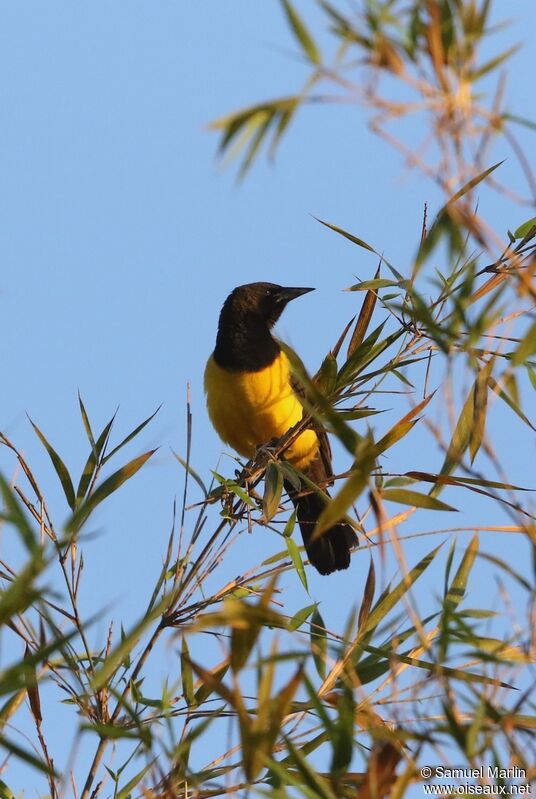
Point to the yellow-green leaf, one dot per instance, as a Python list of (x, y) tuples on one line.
[(407, 497), (273, 487), (303, 36), (59, 466)]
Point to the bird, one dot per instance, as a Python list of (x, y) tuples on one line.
[(252, 400)]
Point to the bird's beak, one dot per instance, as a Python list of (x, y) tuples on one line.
[(288, 294)]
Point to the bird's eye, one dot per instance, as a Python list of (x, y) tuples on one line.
[(268, 291)]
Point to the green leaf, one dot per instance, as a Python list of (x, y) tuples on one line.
[(349, 236), (5, 792), (25, 756), (371, 285), (459, 441), (206, 689), (364, 318), (456, 591), (525, 228), (114, 732), (300, 617), (318, 787), (480, 403), (273, 487), (359, 357), (59, 466), (85, 420), (407, 497), (187, 674), (245, 634), (489, 66), (295, 557), (319, 642), (526, 347), (368, 597), (510, 402), (402, 427), (336, 509), (16, 516), (326, 377), (392, 598), (445, 221), (302, 34), (106, 488), (191, 471), (126, 791), (527, 123), (467, 187), (131, 435), (438, 670), (342, 737), (97, 449)]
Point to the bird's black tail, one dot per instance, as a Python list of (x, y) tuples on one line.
[(331, 551)]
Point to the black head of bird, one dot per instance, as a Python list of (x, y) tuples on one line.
[(244, 339), (267, 301)]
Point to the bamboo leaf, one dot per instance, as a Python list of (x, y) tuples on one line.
[(480, 403), (342, 737), (373, 285), (186, 674), (85, 420), (402, 427), (460, 439), (191, 471), (106, 488), (525, 228), (326, 377), (463, 481), (273, 487), (300, 617), (368, 597), (319, 642), (205, 690), (407, 497), (97, 449), (336, 509), (392, 598), (245, 634), (471, 184), (14, 514), (301, 33), (456, 591), (492, 64), (32, 687), (349, 236), (25, 756), (438, 670), (526, 347), (363, 320), (510, 402), (137, 430), (318, 786), (59, 466), (336, 349), (126, 791), (294, 553)]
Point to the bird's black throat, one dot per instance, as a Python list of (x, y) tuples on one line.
[(244, 343)]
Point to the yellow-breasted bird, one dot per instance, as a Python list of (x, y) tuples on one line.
[(251, 401)]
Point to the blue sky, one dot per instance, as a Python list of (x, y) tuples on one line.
[(121, 235)]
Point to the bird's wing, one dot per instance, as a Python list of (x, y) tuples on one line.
[(321, 467)]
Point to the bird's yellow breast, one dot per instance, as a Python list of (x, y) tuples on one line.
[(248, 409)]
